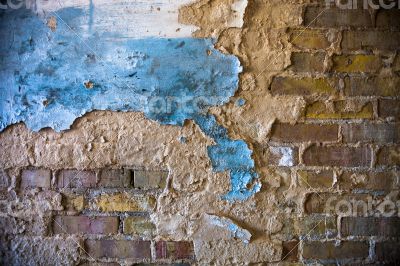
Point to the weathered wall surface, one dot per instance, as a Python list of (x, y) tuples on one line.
[(318, 104)]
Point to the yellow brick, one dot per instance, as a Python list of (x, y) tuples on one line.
[(309, 39), (357, 63), (318, 110), (137, 225), (123, 202), (73, 202)]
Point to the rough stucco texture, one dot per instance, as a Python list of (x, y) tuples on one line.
[(314, 119)]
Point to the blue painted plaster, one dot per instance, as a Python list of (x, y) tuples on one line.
[(48, 79)]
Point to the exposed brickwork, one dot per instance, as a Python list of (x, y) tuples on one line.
[(138, 225), (339, 110), (370, 40), (329, 250), (115, 178), (315, 179), (36, 178), (304, 133), (174, 250), (389, 109), (303, 86), (305, 62), (76, 179), (150, 179), (85, 225), (118, 249), (367, 180), (290, 251), (373, 133), (389, 156), (123, 202), (332, 18), (373, 86), (387, 251), (370, 226), (310, 38), (337, 156)]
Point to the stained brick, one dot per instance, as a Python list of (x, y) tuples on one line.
[(389, 108), (389, 156), (76, 179), (138, 225), (122, 249), (336, 204), (303, 86), (382, 181), (4, 179), (329, 250), (378, 133), (370, 226), (123, 202), (310, 38), (304, 133), (388, 18), (115, 178), (73, 202), (290, 251), (306, 62), (36, 178), (316, 227), (387, 251), (337, 156), (281, 156), (370, 40), (357, 63), (150, 179), (334, 17), (315, 179), (85, 225), (174, 250), (376, 86), (339, 110)]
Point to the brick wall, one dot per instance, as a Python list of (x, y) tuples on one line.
[(330, 177), (106, 211)]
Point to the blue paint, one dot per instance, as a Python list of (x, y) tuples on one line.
[(49, 79), (240, 102)]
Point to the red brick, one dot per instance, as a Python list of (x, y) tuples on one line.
[(337, 156), (389, 156), (370, 226), (388, 19), (76, 179), (388, 252), (290, 251), (334, 17), (382, 181), (36, 178), (367, 132), (150, 179), (85, 225), (373, 86), (334, 203), (115, 178), (370, 41), (389, 108), (315, 179), (329, 250), (122, 249), (307, 62), (174, 250), (304, 133), (281, 156), (4, 179)]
